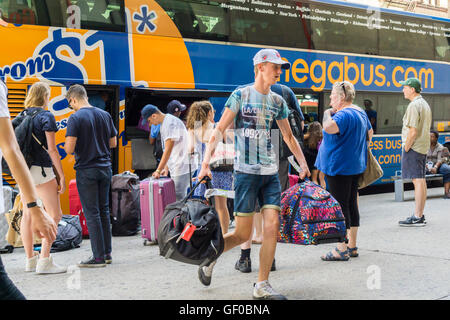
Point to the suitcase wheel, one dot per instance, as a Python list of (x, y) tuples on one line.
[(150, 243)]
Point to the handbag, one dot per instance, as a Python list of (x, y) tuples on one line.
[(223, 157), (14, 217), (372, 173)]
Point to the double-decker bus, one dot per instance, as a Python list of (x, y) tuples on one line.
[(128, 53)]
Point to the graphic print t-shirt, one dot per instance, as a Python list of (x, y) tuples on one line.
[(255, 112)]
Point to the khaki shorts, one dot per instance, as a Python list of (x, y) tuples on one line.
[(38, 178)]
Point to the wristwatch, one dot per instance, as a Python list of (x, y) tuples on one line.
[(37, 203)]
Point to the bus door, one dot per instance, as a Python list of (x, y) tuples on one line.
[(107, 98), (311, 104), (143, 161)]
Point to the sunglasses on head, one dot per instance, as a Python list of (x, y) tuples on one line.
[(343, 88)]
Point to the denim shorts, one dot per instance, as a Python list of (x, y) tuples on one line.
[(413, 165), (249, 188)]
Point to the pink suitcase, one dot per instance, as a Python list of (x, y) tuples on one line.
[(155, 195)]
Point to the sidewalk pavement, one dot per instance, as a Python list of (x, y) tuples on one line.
[(394, 263)]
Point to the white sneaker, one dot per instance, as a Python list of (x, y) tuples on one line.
[(47, 266), (264, 291), (30, 263)]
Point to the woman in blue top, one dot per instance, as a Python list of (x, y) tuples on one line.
[(343, 157), (47, 186)]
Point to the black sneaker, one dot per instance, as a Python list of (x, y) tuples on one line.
[(92, 263), (108, 259), (244, 266), (413, 221)]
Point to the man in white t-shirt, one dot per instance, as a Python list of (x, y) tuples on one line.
[(41, 222), (174, 139)]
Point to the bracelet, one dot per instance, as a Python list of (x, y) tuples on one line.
[(157, 171)]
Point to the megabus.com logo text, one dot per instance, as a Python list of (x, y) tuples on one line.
[(363, 72)]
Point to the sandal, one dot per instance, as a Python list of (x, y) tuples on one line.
[(353, 253), (343, 256)]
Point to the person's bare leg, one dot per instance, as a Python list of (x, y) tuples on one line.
[(352, 234), (26, 234), (48, 193), (240, 234), (447, 188), (420, 194), (221, 207), (270, 233), (258, 222)]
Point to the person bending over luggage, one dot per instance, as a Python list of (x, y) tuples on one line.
[(174, 139), (41, 222), (313, 138), (253, 109), (90, 135), (48, 186), (343, 158)]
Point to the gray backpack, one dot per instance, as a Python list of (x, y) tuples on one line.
[(125, 204)]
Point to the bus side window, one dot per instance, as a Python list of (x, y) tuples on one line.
[(18, 12)]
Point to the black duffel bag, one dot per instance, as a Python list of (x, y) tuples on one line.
[(190, 231)]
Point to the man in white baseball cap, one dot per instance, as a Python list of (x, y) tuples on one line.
[(253, 108), (270, 55)]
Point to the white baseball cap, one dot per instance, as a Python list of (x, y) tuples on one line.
[(270, 55)]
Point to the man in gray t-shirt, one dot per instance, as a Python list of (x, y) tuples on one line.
[(415, 143)]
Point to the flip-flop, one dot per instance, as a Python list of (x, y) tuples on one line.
[(353, 252), (343, 256)]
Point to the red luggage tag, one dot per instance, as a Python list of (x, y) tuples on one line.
[(188, 231)]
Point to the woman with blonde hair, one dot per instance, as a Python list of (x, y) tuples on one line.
[(200, 125), (48, 187)]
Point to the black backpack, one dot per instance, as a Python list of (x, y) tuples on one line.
[(157, 148), (295, 121), (23, 129), (69, 234), (190, 232)]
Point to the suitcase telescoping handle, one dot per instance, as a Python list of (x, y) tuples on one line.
[(205, 178)]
